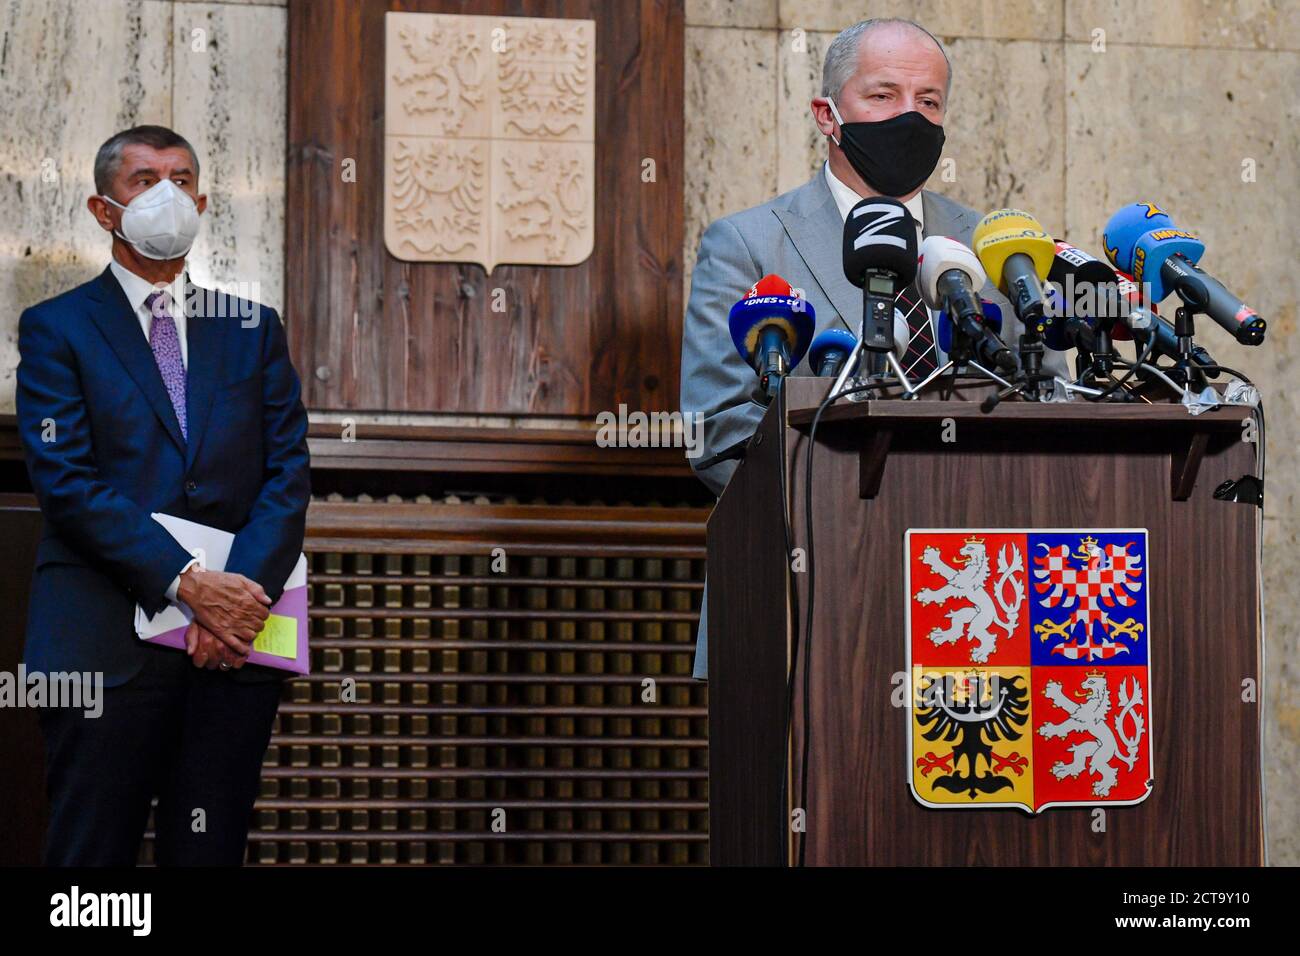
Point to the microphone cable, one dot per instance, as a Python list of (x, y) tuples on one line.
[(1263, 624), (806, 742), (791, 625), (1262, 645), (1127, 377), (806, 737), (1235, 374)]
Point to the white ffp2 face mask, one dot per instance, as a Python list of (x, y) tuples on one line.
[(161, 222)]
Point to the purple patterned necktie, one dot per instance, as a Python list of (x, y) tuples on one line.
[(166, 345)]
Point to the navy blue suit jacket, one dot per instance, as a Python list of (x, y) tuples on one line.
[(104, 449)]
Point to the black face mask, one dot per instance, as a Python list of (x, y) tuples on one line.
[(892, 156)]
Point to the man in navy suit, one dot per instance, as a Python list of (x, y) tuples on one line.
[(139, 392)]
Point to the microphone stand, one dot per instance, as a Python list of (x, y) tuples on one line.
[(909, 390), (963, 354), (877, 328), (1184, 330), (1029, 382), (1031, 372), (880, 362), (1095, 362)]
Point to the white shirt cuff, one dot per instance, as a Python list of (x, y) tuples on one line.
[(176, 581)]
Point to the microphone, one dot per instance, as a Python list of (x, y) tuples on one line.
[(1090, 287), (771, 327), (949, 275), (1084, 267), (1083, 332), (1135, 316), (1017, 254), (880, 259), (983, 339), (992, 317), (1139, 321), (1091, 303), (1142, 239), (829, 351)]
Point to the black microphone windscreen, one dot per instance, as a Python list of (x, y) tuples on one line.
[(880, 234), (1084, 271)]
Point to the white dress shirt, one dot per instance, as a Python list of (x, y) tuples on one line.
[(137, 290), (845, 199)]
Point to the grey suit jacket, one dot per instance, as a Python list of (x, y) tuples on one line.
[(798, 236)]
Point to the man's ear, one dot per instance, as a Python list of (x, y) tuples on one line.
[(102, 212), (821, 111), (201, 202)]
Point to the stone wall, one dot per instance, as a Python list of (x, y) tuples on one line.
[(74, 72)]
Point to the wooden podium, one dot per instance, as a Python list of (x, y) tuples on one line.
[(882, 467)]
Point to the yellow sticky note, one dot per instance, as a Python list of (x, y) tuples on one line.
[(278, 637)]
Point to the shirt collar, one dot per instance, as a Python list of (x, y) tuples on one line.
[(846, 198), (137, 288)]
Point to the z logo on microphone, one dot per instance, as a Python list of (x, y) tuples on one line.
[(875, 232)]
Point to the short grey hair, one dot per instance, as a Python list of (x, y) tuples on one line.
[(109, 158), (842, 55)]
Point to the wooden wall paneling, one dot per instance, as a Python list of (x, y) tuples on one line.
[(22, 750), (370, 332)]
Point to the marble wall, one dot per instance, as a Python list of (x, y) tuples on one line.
[(1068, 108), (76, 71)]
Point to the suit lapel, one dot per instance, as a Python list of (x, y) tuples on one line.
[(118, 323), (814, 226), (813, 223), (946, 218), (205, 362)]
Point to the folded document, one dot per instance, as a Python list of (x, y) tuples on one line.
[(282, 642)]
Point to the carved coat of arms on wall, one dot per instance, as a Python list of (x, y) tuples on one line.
[(489, 139)]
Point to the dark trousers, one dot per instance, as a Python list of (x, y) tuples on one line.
[(193, 738)]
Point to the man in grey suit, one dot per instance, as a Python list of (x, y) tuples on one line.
[(885, 87)]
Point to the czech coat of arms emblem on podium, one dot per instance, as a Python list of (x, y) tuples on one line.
[(1029, 655)]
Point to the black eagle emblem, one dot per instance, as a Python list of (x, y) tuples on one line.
[(976, 710)]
